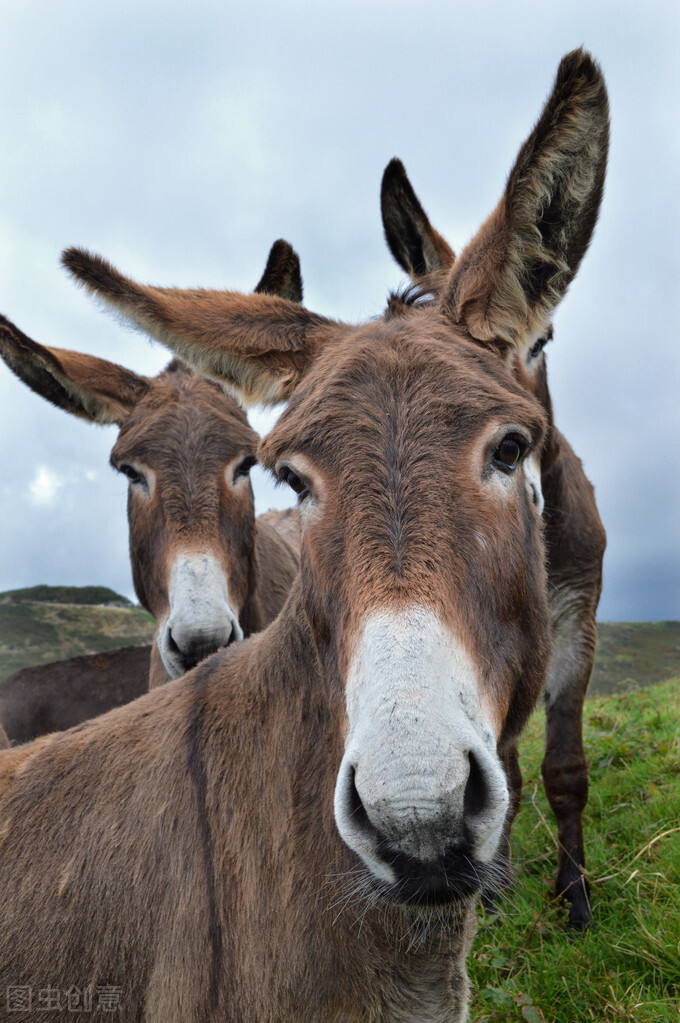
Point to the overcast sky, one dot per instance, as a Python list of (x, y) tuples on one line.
[(180, 139)]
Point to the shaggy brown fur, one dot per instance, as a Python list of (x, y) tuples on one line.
[(575, 538), (184, 847), (195, 323), (286, 522)]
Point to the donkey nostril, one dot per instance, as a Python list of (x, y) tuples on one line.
[(476, 790), (172, 646), (357, 811)]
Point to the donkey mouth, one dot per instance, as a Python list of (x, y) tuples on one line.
[(179, 660), (199, 651), (454, 876)]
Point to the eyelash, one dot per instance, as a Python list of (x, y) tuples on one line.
[(135, 477), (244, 467), (538, 347), (295, 482)]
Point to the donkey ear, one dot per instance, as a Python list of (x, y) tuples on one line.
[(282, 275), (260, 346), (414, 243), (94, 389), (512, 275)]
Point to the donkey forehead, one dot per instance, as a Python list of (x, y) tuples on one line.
[(189, 415), (435, 384)]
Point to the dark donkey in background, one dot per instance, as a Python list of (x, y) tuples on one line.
[(575, 538), (298, 829), (60, 694), (202, 564)]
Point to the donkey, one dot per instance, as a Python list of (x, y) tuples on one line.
[(58, 695), (299, 828), (201, 564), (575, 544)]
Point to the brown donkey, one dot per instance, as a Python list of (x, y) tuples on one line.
[(298, 830), (575, 544), (202, 564)]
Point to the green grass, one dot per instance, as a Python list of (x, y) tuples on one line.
[(526, 965)]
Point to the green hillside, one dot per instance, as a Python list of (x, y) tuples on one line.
[(39, 631), (635, 654), (66, 595), (526, 966)]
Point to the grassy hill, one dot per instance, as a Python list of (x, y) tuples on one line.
[(66, 595), (56, 626), (635, 654)]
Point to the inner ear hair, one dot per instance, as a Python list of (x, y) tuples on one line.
[(512, 275)]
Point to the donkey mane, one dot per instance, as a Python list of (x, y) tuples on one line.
[(411, 296)]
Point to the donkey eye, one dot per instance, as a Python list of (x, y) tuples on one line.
[(134, 475), (509, 452), (538, 347), (286, 475), (244, 467)]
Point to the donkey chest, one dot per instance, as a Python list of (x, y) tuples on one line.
[(427, 992)]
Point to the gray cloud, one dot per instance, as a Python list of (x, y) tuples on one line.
[(180, 140)]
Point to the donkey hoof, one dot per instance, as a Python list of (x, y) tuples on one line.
[(580, 917), (576, 896)]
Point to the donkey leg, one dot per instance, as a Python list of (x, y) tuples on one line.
[(564, 768)]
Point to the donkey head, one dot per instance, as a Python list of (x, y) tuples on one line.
[(413, 450), (187, 450)]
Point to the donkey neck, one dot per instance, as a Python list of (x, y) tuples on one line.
[(279, 742), (273, 566)]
